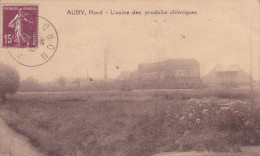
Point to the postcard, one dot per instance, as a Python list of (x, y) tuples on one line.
[(129, 77)]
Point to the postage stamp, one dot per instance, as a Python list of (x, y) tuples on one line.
[(30, 39), (19, 26)]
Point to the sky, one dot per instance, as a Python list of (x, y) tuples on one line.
[(222, 32)]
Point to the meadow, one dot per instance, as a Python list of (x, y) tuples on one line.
[(135, 123)]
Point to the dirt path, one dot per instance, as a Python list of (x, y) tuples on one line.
[(14, 144)]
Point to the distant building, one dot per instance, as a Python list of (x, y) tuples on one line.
[(227, 76), (172, 73), (83, 82), (124, 75)]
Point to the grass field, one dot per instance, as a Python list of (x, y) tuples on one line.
[(246, 151), (133, 123)]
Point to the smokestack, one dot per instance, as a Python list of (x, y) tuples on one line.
[(105, 64), (87, 76)]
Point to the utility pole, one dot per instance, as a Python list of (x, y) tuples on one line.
[(251, 57), (259, 40), (87, 78)]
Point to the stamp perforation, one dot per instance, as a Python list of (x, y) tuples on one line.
[(1, 24)]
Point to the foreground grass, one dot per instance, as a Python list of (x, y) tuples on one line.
[(123, 123), (246, 151)]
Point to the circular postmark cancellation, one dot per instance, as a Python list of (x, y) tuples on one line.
[(47, 46), (31, 40)]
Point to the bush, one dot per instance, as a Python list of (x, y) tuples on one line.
[(9, 81)]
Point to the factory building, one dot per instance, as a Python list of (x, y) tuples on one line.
[(168, 74), (226, 76)]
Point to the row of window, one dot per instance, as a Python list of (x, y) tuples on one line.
[(150, 76), (170, 74)]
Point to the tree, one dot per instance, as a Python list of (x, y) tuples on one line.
[(30, 84), (62, 81), (77, 82), (9, 81)]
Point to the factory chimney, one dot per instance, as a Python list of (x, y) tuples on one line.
[(105, 64)]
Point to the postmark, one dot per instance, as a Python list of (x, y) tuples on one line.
[(37, 44)]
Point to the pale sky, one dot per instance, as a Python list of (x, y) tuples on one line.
[(218, 34)]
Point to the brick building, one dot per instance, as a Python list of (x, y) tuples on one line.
[(168, 74)]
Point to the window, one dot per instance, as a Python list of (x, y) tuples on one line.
[(194, 73), (197, 73), (181, 73), (149, 76)]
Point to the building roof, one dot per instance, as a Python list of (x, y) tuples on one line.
[(127, 75), (174, 62), (133, 75), (230, 74), (123, 75), (183, 61), (233, 67)]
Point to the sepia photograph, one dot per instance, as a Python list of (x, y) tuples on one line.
[(130, 78)]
